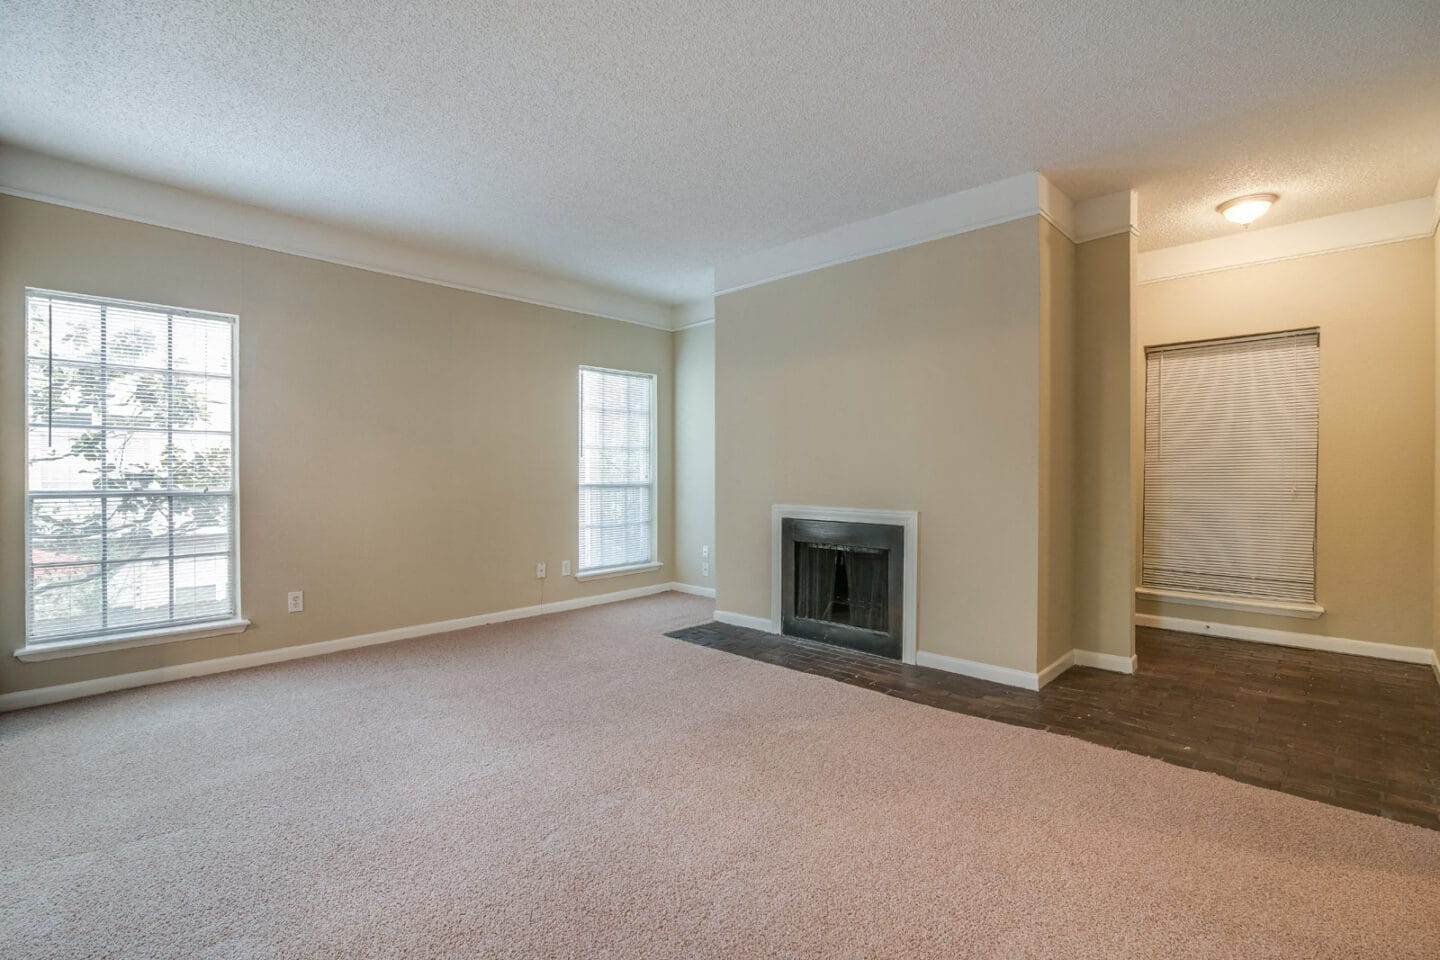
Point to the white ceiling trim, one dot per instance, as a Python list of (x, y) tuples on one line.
[(35, 176), (694, 314), (1015, 198), (1055, 206), (1435, 208), (1392, 223), (1090, 219), (1106, 216), (985, 206)]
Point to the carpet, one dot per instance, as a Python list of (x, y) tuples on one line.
[(579, 785)]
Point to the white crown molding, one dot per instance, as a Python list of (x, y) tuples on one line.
[(1392, 223), (1015, 198), (1092, 219), (695, 314), (40, 696), (1435, 209), (1106, 216), (1288, 638), (985, 206), (35, 176), (1055, 206)]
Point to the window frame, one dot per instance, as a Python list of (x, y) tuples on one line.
[(599, 573), (158, 633), (1300, 609)]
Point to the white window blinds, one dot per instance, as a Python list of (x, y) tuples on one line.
[(130, 495), (1231, 440), (617, 469)]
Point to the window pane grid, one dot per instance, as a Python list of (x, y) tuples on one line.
[(617, 469), (66, 564), (114, 367), (130, 503)]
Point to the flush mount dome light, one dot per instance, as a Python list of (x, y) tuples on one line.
[(1246, 210)]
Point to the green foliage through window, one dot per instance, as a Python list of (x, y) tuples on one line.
[(130, 498)]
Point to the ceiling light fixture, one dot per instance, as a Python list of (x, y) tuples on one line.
[(1246, 210)]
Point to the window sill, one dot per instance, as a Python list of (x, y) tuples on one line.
[(618, 571), (123, 641), (1276, 608)]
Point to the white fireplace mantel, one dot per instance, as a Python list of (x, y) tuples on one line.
[(908, 519)]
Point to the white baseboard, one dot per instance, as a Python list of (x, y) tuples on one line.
[(1105, 661), (745, 620), (1435, 664), (1287, 638), (1060, 665), (184, 671), (974, 668), (693, 590), (982, 671), (1023, 679)]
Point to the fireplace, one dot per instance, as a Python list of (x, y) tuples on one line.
[(842, 582)]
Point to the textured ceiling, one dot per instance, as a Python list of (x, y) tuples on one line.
[(637, 142)]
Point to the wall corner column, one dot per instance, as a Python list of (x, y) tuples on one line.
[(1108, 436)]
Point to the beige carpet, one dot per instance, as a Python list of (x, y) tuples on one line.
[(580, 786)]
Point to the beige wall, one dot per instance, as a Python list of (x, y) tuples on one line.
[(1105, 342), (1057, 445), (1375, 308), (407, 451), (907, 380), (1435, 624), (694, 453)]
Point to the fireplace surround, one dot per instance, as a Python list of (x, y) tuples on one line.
[(846, 576)]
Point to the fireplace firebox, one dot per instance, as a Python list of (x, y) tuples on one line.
[(843, 583)]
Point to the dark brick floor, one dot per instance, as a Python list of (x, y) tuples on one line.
[(1350, 731)]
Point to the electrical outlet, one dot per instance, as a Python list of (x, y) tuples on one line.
[(705, 552), (540, 570), (705, 569), (296, 601), (564, 568)]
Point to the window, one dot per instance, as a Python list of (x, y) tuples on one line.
[(617, 470), (1231, 440), (130, 497)]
